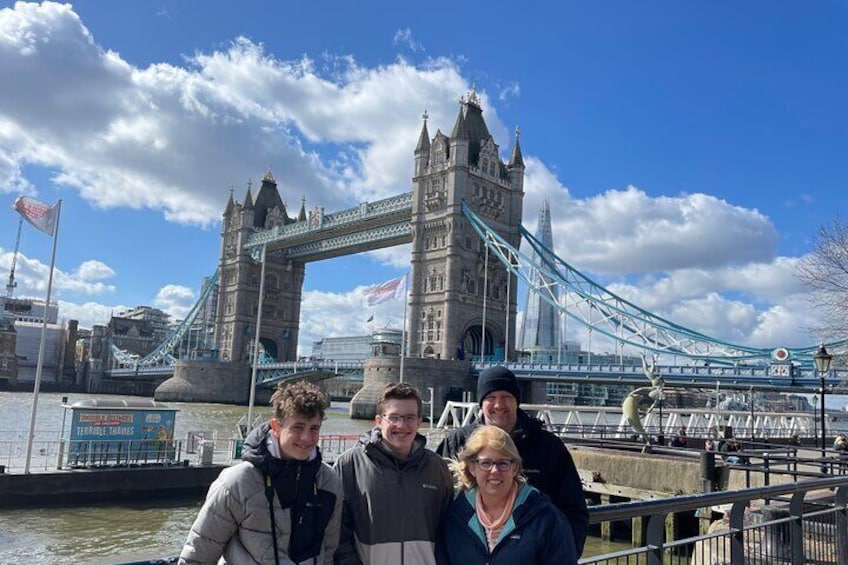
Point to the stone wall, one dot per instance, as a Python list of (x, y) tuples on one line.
[(447, 379)]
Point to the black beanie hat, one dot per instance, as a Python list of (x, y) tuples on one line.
[(497, 378)]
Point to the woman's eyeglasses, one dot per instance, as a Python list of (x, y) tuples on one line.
[(502, 465)]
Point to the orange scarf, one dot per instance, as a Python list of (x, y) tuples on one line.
[(492, 527)]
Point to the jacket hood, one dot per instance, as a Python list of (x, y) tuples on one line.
[(255, 451)]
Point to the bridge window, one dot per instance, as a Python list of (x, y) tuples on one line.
[(484, 165), (271, 281), (492, 168)]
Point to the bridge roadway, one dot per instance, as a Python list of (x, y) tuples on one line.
[(760, 378)]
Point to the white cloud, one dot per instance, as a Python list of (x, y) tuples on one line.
[(93, 271), (88, 314), (404, 37), (31, 277), (174, 138), (175, 300)]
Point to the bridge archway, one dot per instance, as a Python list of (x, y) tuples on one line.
[(472, 343)]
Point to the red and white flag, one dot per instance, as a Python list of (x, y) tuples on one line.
[(39, 214), (395, 288)]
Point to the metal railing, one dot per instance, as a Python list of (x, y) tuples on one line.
[(53, 454), (793, 523)]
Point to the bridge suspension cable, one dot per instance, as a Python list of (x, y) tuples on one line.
[(163, 354), (602, 311)]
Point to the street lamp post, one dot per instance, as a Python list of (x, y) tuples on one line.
[(822, 359)]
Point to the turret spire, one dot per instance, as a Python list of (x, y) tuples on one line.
[(516, 159), (248, 199), (424, 138)]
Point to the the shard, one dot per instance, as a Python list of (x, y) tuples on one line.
[(539, 336)]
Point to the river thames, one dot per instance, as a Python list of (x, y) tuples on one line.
[(119, 533)]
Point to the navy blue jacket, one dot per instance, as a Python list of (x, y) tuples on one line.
[(536, 533), (547, 464)]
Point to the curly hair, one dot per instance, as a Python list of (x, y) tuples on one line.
[(298, 399), (398, 391), (483, 437)]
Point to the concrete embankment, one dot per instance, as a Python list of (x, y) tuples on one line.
[(84, 486)]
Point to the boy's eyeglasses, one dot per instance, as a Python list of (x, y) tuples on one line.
[(502, 465), (396, 419)]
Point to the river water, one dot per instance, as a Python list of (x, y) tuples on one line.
[(120, 533)]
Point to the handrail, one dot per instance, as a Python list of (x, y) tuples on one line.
[(627, 510)]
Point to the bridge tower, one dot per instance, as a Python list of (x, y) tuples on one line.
[(238, 289), (449, 267)]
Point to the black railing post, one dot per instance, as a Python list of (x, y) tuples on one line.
[(708, 471), (655, 538), (796, 528), (840, 501), (737, 534)]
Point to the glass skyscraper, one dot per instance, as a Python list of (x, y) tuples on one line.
[(539, 337)]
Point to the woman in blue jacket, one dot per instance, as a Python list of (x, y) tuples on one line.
[(497, 518)]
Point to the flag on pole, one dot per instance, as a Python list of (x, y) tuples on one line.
[(42, 216), (395, 288), (370, 318)]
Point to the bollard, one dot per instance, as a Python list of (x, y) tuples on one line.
[(708, 470)]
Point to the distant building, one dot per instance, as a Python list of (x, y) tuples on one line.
[(8, 358), (27, 316), (159, 322), (354, 348), (29, 310), (540, 336)]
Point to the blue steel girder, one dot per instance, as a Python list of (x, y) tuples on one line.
[(760, 378), (369, 226), (277, 370), (602, 311), (162, 354)]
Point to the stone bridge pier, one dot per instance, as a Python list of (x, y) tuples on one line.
[(448, 379)]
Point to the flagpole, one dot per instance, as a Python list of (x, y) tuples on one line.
[(249, 425), (40, 364), (403, 329), (485, 292)]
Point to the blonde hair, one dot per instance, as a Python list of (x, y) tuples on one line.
[(484, 436)]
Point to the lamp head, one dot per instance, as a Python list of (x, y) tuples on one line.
[(822, 359)]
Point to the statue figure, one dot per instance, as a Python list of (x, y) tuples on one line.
[(630, 406)]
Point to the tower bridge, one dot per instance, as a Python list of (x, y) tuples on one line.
[(463, 219)]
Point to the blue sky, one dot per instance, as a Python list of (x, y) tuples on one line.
[(690, 151)]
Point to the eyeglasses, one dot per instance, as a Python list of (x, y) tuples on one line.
[(396, 419), (502, 465)]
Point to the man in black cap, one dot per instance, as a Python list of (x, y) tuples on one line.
[(547, 462)]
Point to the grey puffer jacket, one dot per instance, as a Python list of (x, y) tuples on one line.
[(392, 508), (234, 524)]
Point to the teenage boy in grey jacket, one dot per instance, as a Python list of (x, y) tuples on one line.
[(396, 492), (281, 486)]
